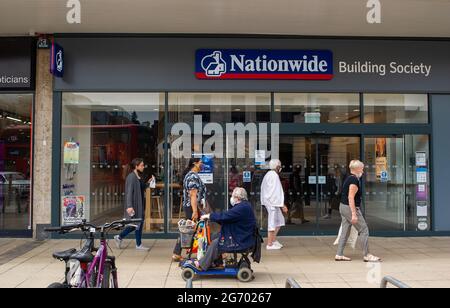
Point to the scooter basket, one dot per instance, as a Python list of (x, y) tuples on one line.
[(187, 230), (186, 239)]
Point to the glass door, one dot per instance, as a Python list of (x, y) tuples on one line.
[(314, 170)]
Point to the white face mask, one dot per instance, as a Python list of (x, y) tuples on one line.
[(232, 201)]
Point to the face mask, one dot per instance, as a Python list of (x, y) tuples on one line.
[(232, 201)]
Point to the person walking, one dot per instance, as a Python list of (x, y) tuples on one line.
[(135, 187), (350, 209), (272, 197), (194, 197)]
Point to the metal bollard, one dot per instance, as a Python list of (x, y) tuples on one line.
[(189, 284)]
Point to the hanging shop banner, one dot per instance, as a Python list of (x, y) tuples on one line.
[(71, 152), (381, 157), (57, 61), (73, 209), (16, 62), (264, 64)]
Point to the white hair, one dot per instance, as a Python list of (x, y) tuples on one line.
[(274, 164), (356, 164), (240, 193)]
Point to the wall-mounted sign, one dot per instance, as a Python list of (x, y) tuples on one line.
[(246, 177), (57, 61), (264, 64), (16, 63), (43, 43), (384, 176)]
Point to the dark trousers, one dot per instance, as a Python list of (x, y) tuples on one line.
[(187, 215), (138, 233)]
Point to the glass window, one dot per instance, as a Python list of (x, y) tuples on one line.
[(317, 107), (395, 108), (397, 183), (215, 109), (101, 134), (15, 160)]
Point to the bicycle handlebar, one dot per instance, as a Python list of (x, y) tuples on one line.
[(84, 226)]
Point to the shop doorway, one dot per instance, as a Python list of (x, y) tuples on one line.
[(314, 169)]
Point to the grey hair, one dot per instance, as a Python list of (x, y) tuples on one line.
[(355, 164), (240, 193), (274, 163)]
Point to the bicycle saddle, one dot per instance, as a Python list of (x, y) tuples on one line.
[(64, 255), (84, 256)]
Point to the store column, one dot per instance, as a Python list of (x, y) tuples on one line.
[(42, 144)]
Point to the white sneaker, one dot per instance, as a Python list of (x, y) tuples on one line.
[(273, 247), (278, 244), (142, 248), (118, 242)]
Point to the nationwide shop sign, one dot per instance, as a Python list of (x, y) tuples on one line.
[(264, 64), (16, 63), (57, 61)]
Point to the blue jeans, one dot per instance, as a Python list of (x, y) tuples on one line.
[(138, 233)]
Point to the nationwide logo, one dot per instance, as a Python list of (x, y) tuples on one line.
[(264, 64)]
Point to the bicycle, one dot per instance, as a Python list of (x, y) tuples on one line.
[(94, 271)]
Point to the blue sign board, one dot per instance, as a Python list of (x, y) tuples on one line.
[(264, 64), (247, 177), (57, 61)]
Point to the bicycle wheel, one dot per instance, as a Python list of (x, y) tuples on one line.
[(109, 277), (56, 285)]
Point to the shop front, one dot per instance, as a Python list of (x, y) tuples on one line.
[(315, 104), (16, 135)]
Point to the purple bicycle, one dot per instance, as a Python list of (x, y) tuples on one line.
[(83, 268)]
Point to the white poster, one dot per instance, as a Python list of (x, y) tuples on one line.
[(422, 176), (422, 210), (207, 178), (260, 157), (322, 180), (421, 159)]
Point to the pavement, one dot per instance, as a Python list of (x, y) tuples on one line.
[(418, 262)]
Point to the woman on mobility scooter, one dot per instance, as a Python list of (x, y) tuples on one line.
[(238, 235)]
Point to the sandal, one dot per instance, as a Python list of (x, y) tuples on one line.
[(176, 258), (342, 259), (372, 258)]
